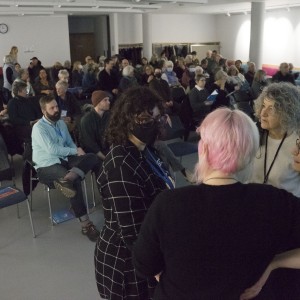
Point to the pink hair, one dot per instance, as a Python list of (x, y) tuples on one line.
[(229, 141)]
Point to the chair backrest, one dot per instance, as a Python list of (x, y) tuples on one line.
[(178, 94), (6, 171)]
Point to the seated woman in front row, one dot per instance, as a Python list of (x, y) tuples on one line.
[(214, 240)]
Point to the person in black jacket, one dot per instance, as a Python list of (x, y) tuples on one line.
[(23, 112), (214, 240), (108, 80), (93, 125), (283, 74)]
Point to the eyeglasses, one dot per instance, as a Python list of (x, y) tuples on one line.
[(147, 122), (202, 80)]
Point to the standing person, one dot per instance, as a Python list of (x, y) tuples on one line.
[(108, 80), (132, 176), (276, 162), (60, 162), (14, 53), (34, 69), (9, 75), (214, 240)]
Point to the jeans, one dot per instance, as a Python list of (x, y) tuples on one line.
[(77, 164)]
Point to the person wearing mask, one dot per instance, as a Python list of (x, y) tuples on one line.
[(131, 177), (34, 69)]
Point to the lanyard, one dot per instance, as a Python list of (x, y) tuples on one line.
[(266, 174), (157, 167), (57, 130)]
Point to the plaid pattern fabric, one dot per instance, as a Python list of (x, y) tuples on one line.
[(128, 187)]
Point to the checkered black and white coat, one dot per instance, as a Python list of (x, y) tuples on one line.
[(128, 187)]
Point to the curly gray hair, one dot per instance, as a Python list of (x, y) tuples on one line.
[(287, 104)]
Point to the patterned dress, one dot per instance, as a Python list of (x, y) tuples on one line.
[(128, 187)]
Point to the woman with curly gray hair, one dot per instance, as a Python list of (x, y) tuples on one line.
[(278, 160)]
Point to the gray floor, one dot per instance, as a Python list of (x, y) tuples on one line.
[(58, 263)]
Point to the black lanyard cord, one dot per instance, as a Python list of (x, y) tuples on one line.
[(266, 174)]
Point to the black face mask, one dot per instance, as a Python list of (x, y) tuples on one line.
[(146, 133), (158, 75), (53, 118)]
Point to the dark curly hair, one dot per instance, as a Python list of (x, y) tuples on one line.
[(132, 102)]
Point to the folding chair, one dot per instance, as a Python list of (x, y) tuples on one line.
[(34, 178), (9, 194)]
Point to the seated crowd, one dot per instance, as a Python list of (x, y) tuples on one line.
[(220, 239)]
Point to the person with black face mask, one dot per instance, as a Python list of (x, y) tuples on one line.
[(132, 175), (58, 161)]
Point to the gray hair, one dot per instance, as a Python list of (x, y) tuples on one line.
[(128, 70), (220, 75), (18, 86), (287, 104), (62, 83), (63, 73)]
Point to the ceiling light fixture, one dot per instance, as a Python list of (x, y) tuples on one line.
[(245, 13), (228, 14), (288, 9)]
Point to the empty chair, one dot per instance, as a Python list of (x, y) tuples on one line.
[(10, 194)]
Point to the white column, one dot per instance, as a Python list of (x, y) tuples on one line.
[(257, 31), (114, 33), (147, 35)]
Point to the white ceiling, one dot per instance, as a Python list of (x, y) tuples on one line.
[(96, 7)]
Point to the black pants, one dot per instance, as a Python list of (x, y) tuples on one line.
[(77, 164)]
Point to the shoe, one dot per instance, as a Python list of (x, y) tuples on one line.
[(189, 176), (66, 187), (91, 232)]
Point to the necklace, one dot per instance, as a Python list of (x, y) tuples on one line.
[(267, 173), (226, 178)]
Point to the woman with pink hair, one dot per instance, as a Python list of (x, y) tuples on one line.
[(214, 240)]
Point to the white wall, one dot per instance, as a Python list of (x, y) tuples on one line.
[(44, 37), (281, 36), (168, 28)]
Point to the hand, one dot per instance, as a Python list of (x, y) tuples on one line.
[(150, 78), (157, 277), (80, 151), (255, 289)]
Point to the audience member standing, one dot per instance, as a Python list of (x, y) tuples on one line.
[(34, 69), (108, 80)]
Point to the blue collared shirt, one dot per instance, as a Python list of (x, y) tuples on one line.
[(50, 143)]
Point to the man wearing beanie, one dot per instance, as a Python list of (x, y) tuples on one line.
[(93, 124)]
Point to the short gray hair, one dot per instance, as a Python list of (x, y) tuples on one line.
[(287, 104), (128, 70)]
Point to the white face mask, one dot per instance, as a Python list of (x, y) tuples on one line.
[(169, 69), (80, 67), (192, 70)]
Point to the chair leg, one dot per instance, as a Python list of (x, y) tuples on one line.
[(30, 218), (85, 196), (93, 188), (31, 195), (50, 206)]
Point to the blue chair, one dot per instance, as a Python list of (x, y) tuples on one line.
[(9, 194)]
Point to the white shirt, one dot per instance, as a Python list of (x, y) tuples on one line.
[(282, 174)]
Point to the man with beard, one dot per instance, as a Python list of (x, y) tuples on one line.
[(60, 162)]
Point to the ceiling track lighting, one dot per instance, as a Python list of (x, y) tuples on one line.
[(228, 14)]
